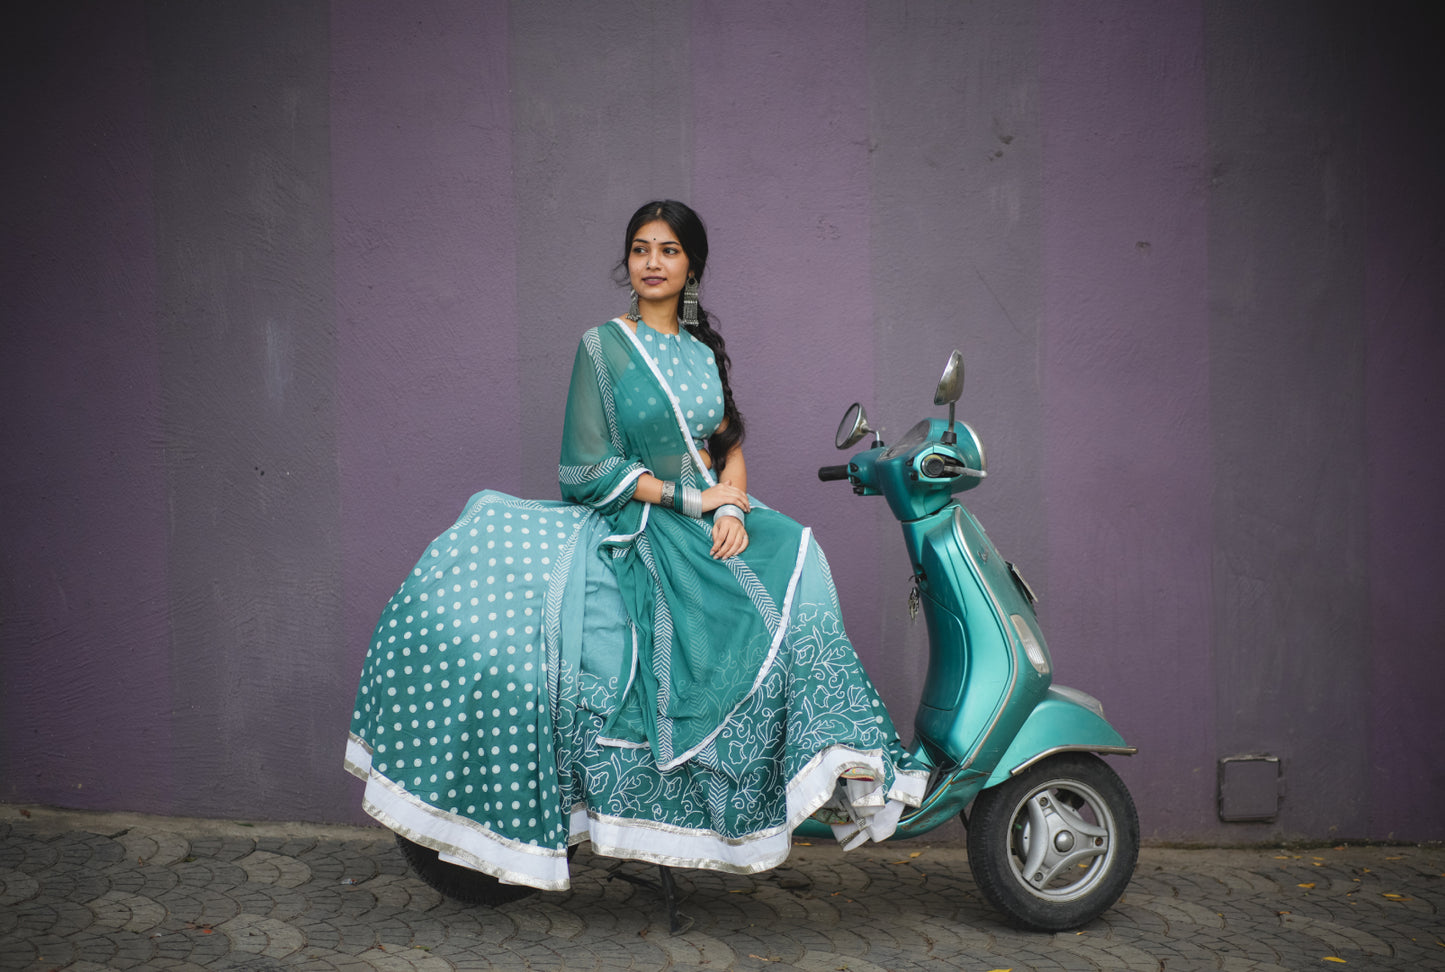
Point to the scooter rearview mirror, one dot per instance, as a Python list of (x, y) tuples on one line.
[(950, 386), (853, 427)]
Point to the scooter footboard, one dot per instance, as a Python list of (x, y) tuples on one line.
[(1066, 720)]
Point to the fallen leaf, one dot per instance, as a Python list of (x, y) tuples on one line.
[(1310, 885), (1395, 897), (909, 857), (25, 813), (1331, 958), (1398, 857), (1001, 970)]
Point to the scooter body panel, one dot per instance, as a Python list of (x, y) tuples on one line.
[(1064, 720), (988, 665)]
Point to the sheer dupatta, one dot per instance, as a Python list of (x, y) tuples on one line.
[(704, 631)]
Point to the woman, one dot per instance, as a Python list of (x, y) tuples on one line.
[(657, 665)]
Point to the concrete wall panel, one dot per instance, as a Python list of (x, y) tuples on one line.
[(1405, 411), (247, 366), (85, 700), (1125, 387), (1287, 402)]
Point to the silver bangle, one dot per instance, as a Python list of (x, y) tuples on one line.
[(689, 502), (728, 509), (669, 488)]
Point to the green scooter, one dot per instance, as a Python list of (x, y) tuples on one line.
[(1052, 832), (1053, 835)]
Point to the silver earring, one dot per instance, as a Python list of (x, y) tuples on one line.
[(689, 301), (633, 314)]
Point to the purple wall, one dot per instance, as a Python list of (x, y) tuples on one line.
[(1404, 347), (286, 282), (1124, 359), (85, 613)]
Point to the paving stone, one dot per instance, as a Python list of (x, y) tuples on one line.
[(16, 886), (119, 911), (159, 847)]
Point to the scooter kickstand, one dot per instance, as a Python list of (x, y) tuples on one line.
[(677, 922)]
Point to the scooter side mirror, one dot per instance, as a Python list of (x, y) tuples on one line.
[(950, 386), (853, 427)]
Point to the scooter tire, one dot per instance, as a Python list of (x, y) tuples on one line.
[(1092, 843), (456, 882)]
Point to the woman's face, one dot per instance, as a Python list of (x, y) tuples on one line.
[(656, 264)]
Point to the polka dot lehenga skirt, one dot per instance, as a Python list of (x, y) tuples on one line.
[(502, 655)]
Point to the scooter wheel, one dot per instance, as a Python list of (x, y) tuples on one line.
[(1055, 846), (456, 882)]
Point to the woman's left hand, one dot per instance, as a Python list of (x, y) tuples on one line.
[(729, 537)]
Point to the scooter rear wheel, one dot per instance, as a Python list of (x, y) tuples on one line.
[(1054, 847), (459, 883)]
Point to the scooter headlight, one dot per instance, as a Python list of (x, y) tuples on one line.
[(1037, 656)]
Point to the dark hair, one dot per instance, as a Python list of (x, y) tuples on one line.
[(692, 236)]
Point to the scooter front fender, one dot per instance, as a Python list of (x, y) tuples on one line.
[(1065, 720)]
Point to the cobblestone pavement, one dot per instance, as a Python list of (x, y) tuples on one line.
[(88, 892)]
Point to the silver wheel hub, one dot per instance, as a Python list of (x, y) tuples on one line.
[(1062, 839)]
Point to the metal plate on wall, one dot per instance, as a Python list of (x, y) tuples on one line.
[(1249, 788)]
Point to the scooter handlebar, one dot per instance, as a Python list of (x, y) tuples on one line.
[(829, 473)]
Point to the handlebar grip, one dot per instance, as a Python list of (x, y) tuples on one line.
[(829, 473)]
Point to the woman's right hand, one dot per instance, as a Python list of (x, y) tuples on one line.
[(724, 494)]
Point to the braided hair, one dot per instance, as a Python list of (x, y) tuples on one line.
[(692, 237)]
